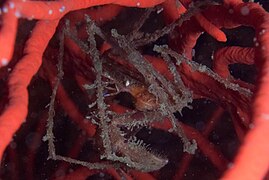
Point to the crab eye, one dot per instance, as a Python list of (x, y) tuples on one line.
[(127, 83)]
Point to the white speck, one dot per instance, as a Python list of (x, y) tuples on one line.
[(4, 61), (244, 10), (231, 11), (202, 68), (159, 11), (17, 14), (13, 145), (254, 39), (262, 32), (50, 11), (127, 83), (230, 165), (31, 17), (62, 9), (11, 5), (193, 52), (5, 9), (212, 55), (257, 44), (138, 4), (265, 116), (251, 126)]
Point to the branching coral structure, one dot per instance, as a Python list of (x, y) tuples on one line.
[(134, 89)]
